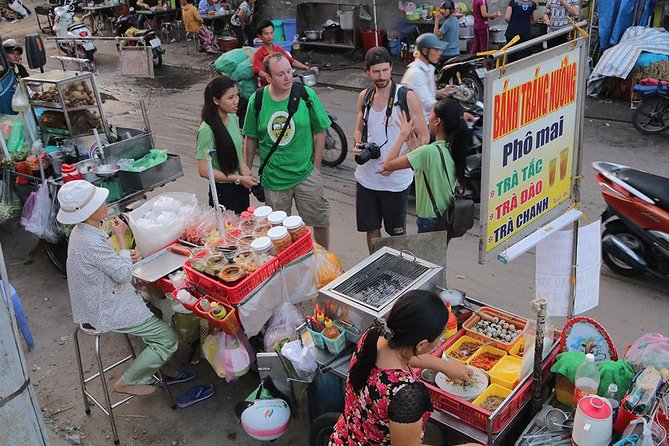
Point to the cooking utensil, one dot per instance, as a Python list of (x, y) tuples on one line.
[(593, 422), (469, 353), (87, 168), (314, 34), (157, 265), (478, 382), (107, 170), (309, 78), (428, 375)]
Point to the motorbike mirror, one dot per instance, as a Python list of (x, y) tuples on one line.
[(479, 104), (35, 51)]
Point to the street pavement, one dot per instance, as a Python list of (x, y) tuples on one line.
[(628, 307)]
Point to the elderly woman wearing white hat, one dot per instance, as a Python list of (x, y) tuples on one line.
[(100, 289)]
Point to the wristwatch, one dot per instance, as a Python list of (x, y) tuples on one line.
[(238, 180)]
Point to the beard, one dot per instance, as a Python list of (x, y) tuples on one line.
[(381, 83)]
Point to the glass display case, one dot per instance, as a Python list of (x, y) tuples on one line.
[(66, 104)]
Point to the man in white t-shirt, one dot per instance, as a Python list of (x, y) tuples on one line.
[(382, 197)]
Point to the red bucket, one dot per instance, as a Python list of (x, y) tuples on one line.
[(368, 40)]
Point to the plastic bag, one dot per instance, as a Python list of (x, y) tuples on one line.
[(234, 354), (650, 350), (326, 266), (154, 158), (247, 87), (300, 357), (229, 62), (282, 325), (201, 223), (652, 433), (529, 338), (153, 231), (209, 351), (20, 101), (17, 137), (187, 327), (42, 221)]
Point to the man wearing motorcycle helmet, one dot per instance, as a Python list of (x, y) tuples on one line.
[(449, 30), (419, 75), (14, 53)]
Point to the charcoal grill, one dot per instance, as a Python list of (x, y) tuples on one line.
[(369, 289)]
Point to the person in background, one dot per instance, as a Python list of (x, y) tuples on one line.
[(382, 198), (241, 22), (220, 131), (449, 30), (147, 5), (266, 34), (293, 173), (384, 403), (450, 131), (14, 53), (520, 15), (207, 7), (419, 75), (101, 292), (194, 24), (557, 16), (481, 26)]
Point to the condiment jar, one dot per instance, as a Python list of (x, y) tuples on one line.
[(295, 226), (263, 245), (262, 213), (280, 237), (276, 218)]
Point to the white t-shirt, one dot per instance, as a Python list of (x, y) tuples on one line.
[(419, 76), (367, 174)]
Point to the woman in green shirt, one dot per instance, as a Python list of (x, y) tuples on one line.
[(219, 131), (446, 123)]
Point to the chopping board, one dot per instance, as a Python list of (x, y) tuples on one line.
[(158, 265)]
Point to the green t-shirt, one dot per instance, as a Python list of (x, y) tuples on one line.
[(292, 162), (207, 142), (426, 159)]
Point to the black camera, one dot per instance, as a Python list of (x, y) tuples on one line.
[(368, 151)]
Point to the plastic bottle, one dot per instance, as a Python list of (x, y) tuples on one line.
[(587, 378), (612, 396), (330, 331), (296, 45), (452, 324)]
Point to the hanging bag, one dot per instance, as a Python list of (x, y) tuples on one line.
[(458, 218)]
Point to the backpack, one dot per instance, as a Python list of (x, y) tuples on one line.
[(296, 93), (402, 92)]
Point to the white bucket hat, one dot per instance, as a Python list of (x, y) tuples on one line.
[(78, 200)]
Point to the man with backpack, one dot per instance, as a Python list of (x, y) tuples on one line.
[(382, 197), (286, 122)]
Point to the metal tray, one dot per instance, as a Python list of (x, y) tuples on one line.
[(158, 265), (161, 174)]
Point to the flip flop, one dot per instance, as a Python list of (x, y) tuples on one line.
[(195, 394), (183, 376)]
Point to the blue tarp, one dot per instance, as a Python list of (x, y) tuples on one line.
[(615, 16)]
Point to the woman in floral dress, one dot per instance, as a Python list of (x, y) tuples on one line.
[(384, 403)]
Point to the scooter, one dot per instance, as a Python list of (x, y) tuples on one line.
[(127, 26), (77, 45), (636, 238), (466, 71), (652, 115)]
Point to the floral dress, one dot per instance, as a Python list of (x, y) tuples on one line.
[(389, 395)]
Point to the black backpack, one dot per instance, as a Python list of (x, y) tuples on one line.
[(296, 93), (402, 92)]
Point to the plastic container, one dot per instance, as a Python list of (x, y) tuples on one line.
[(279, 35), (276, 218), (295, 226), (319, 341), (564, 390), (303, 246), (346, 20), (492, 390), (280, 237), (486, 349), (247, 225), (586, 380), (263, 245), (518, 349), (506, 372), (456, 346), (230, 323), (330, 331), (506, 346), (190, 305), (367, 37), (262, 213), (337, 345), (452, 324), (289, 28), (394, 47)]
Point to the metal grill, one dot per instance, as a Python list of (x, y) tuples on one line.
[(381, 281)]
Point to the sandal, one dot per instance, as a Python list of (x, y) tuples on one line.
[(183, 376), (195, 394)]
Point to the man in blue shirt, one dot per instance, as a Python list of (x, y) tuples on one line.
[(449, 30)]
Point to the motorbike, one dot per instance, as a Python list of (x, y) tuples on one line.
[(127, 26), (336, 145), (636, 238), (652, 115), (474, 150), (466, 71), (66, 27)]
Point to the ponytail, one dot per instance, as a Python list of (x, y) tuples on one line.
[(450, 112)]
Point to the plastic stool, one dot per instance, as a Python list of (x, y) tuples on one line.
[(20, 315), (108, 407), (179, 30)]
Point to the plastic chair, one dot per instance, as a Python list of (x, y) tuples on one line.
[(196, 43), (108, 407), (21, 320), (179, 30), (167, 29)]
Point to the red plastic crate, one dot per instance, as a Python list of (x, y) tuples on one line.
[(476, 416), (236, 293), (297, 249)]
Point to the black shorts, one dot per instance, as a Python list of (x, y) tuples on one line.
[(373, 206), (233, 196)]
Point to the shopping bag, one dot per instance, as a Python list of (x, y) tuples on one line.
[(282, 325), (235, 353), (326, 266), (20, 101), (42, 220)]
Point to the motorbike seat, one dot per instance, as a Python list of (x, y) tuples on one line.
[(654, 186), (141, 32)]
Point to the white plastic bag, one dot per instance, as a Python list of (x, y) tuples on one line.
[(234, 354), (160, 221), (300, 357), (282, 325), (652, 434), (20, 103), (42, 220)]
